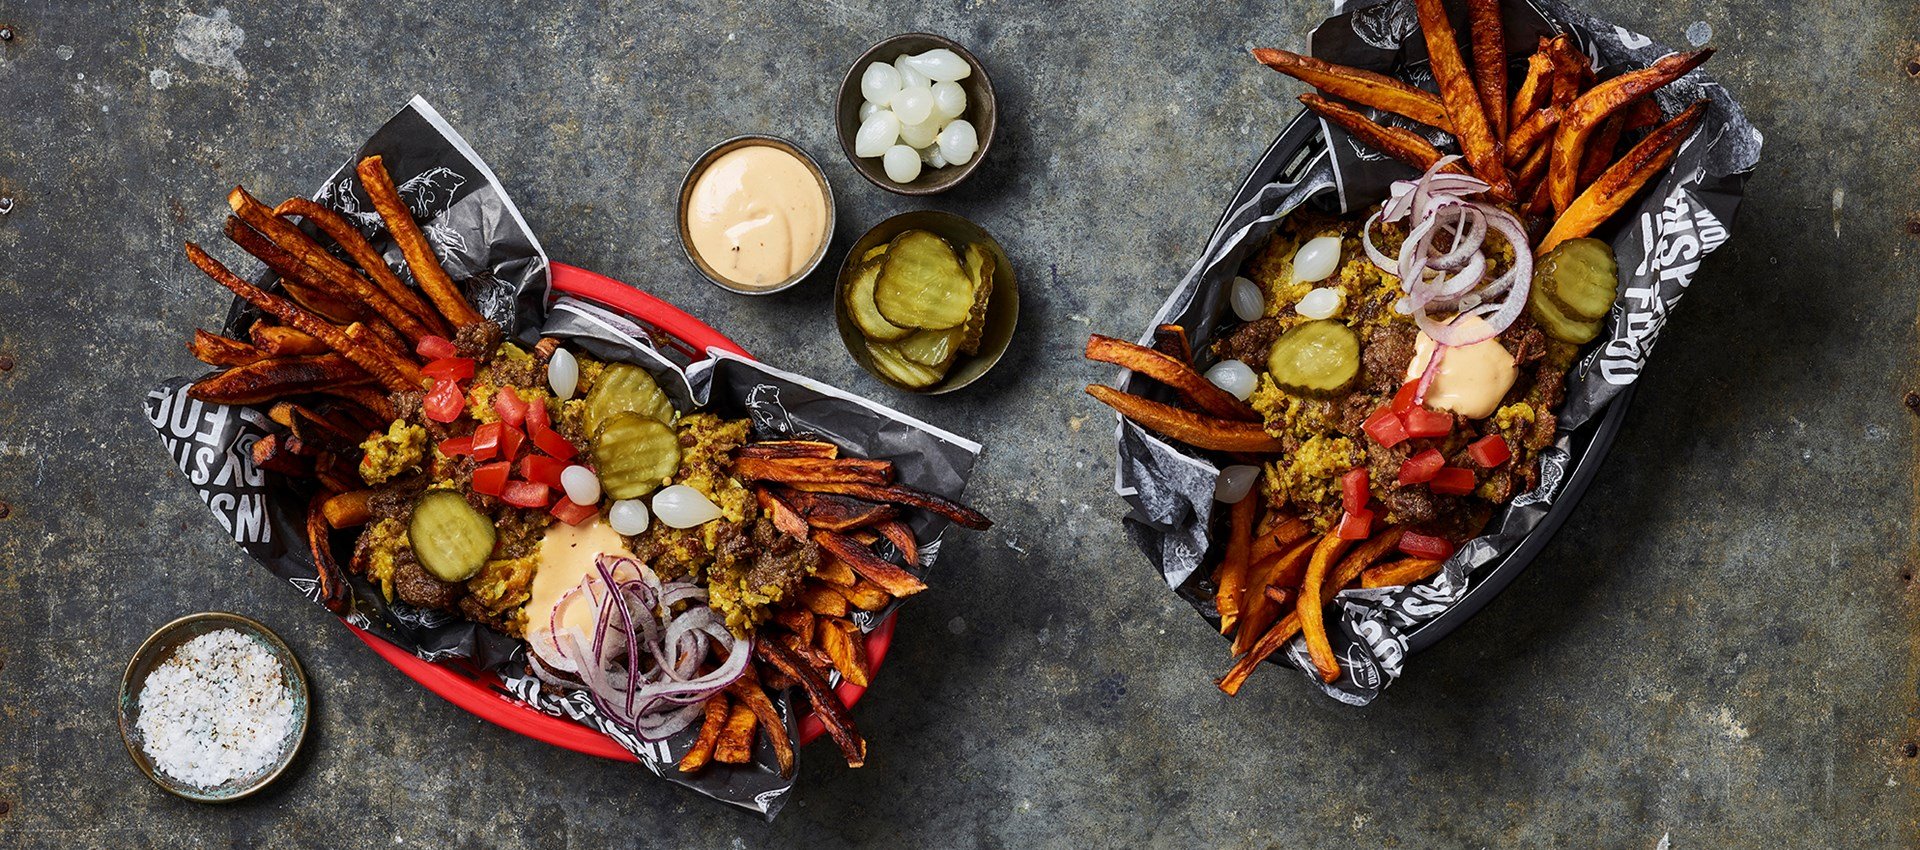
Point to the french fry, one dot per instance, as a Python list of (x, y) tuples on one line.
[(1489, 47), (901, 536), (1530, 133), (1363, 87), (798, 620), (748, 691), (735, 745), (394, 374), (326, 270), (272, 453), (835, 572), (1397, 142), (836, 513), (365, 398), (1202, 432), (413, 243), (1535, 88), (1231, 577), (826, 705), (1171, 340), (298, 279), (216, 350), (784, 517), (1402, 572), (845, 644), (824, 600), (349, 509), (323, 303), (329, 579), (865, 595), (1528, 176), (890, 577), (280, 340), (1279, 597), (1483, 151), (1589, 109), (1178, 374), (1290, 625), (1601, 148), (357, 247), (1260, 611), (1281, 533), (793, 470), (1622, 180), (702, 751), (266, 380), (901, 494), (1312, 616), (789, 448)]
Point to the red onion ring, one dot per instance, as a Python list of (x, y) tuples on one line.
[(1443, 286)]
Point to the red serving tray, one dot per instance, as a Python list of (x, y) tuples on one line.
[(480, 692)]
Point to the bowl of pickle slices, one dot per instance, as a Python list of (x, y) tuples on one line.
[(926, 302)]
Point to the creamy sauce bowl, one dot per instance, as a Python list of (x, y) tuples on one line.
[(756, 214)]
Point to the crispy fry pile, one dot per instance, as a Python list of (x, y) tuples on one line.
[(1554, 148)]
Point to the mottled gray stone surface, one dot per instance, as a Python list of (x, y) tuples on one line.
[(1720, 646)]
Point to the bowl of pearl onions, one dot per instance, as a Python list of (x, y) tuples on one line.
[(916, 114)]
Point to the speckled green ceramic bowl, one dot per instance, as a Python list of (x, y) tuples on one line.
[(157, 649)]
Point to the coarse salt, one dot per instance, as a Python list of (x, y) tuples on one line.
[(217, 710)]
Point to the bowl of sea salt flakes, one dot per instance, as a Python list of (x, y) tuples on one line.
[(213, 707)]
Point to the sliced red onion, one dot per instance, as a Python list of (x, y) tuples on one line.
[(1445, 285), (1426, 376)]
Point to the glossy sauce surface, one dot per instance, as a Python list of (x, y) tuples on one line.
[(757, 215)]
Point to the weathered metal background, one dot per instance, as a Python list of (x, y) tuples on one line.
[(1720, 646)]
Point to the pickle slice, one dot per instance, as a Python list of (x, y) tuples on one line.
[(1315, 358), (934, 349), (921, 283), (1581, 278), (635, 455), (1558, 324), (622, 388), (449, 537), (979, 267), (860, 307), (874, 253), (889, 361)]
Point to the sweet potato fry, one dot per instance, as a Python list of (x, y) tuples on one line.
[(1171, 340), (1178, 374), (413, 243), (789, 448), (901, 494), (901, 536), (865, 595), (799, 620), (716, 720), (365, 398), (1535, 87), (1312, 616), (216, 350), (735, 745), (1489, 47), (1589, 109), (1530, 133), (1601, 148), (890, 577), (1484, 152), (748, 691), (1290, 625), (1283, 570), (1363, 87), (1401, 572), (349, 509), (1397, 142), (1622, 180), (845, 644), (1202, 432), (836, 513), (272, 453), (394, 374), (280, 340), (784, 517), (266, 380), (323, 303), (835, 572), (1230, 579), (330, 580), (832, 714), (846, 470), (1280, 534), (822, 599), (1280, 597), (350, 240), (1532, 171), (325, 270)]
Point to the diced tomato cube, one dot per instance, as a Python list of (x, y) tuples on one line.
[(491, 478), (1421, 467), (1403, 400), (1422, 422), (1355, 525), (1453, 481), (1354, 492), (512, 410), (574, 514), (1425, 546), (444, 402), (1490, 451), (435, 347), (550, 441), (511, 439), (542, 469), (455, 446), (526, 494), (537, 412), (486, 440), (1385, 427), (449, 369)]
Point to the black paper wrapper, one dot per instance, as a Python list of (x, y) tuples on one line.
[(488, 249), (1659, 242)]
